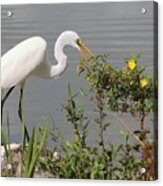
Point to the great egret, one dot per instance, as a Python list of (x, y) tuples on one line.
[(29, 58)]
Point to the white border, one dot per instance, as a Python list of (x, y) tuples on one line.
[(50, 182)]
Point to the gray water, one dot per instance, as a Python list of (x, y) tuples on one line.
[(114, 28)]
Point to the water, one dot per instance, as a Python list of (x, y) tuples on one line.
[(114, 28)]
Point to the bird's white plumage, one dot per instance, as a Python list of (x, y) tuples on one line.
[(19, 62), (29, 57)]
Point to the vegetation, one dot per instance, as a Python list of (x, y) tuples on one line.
[(113, 90)]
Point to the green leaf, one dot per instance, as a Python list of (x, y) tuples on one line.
[(69, 91)]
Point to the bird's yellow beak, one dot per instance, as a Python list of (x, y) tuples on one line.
[(84, 50)]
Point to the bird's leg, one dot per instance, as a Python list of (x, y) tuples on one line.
[(20, 109), (20, 113), (3, 101)]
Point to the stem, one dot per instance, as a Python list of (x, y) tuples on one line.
[(142, 137), (144, 149), (100, 105), (77, 130), (126, 126), (142, 122)]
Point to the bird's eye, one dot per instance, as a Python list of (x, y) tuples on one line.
[(78, 41)]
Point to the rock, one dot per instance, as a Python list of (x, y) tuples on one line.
[(12, 166), (15, 158)]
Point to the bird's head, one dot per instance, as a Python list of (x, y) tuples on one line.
[(72, 38)]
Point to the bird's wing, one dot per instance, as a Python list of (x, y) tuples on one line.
[(19, 62)]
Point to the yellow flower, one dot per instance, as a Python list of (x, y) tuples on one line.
[(131, 64), (143, 82)]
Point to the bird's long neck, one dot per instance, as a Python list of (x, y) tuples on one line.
[(61, 58), (49, 70)]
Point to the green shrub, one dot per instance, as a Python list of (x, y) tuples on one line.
[(116, 90)]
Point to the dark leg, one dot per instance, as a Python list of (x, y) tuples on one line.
[(3, 101), (20, 113), (20, 105)]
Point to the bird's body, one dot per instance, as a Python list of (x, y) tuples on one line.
[(29, 58), (21, 61)]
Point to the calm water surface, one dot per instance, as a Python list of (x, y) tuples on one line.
[(114, 28)]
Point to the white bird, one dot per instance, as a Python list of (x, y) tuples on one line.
[(29, 58)]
